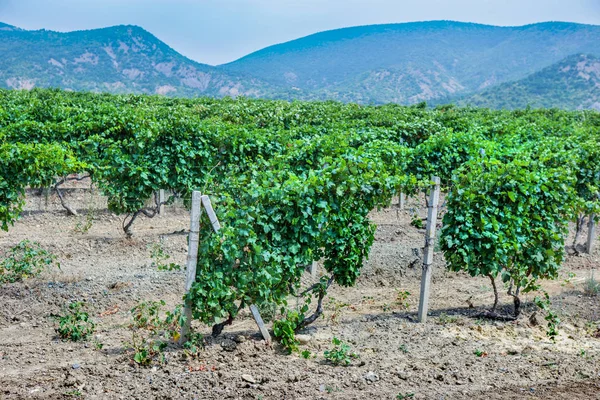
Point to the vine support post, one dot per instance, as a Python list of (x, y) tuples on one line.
[(402, 200), (591, 233), (161, 201), (313, 270), (192, 260), (432, 213), (210, 212)]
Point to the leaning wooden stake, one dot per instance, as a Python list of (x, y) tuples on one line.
[(428, 251), (192, 260), (591, 233), (216, 226)]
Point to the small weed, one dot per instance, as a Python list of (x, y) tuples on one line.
[(551, 316), (97, 344), (402, 299), (27, 259), (84, 224), (159, 258), (340, 354), (446, 319), (194, 345), (338, 307), (74, 393), (331, 389), (306, 354), (480, 353), (150, 333), (569, 279), (403, 396), (417, 222), (75, 324), (403, 348), (591, 286)]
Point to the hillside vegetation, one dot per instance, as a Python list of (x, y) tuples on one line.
[(121, 59), (412, 62), (573, 83)]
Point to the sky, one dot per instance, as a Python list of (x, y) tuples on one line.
[(220, 31)]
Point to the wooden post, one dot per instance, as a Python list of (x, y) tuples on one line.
[(402, 201), (591, 234), (313, 269), (259, 322), (211, 213), (216, 226), (192, 260), (161, 200), (428, 251)]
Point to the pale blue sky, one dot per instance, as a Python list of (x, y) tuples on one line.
[(218, 31)]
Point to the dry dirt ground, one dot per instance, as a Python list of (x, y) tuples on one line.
[(399, 357)]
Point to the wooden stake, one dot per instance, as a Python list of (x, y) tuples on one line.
[(313, 269), (402, 202), (591, 234), (192, 260), (161, 200), (216, 226), (211, 213), (428, 251), (259, 322)]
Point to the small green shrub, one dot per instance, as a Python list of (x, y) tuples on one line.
[(340, 354), (150, 333), (417, 222), (553, 320), (404, 396), (591, 286), (159, 258), (76, 324), (285, 329), (27, 259)]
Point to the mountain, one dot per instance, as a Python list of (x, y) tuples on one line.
[(119, 59), (435, 61), (412, 62), (573, 83)]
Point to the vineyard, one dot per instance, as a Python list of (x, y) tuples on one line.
[(99, 269)]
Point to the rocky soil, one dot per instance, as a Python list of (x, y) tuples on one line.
[(455, 355)]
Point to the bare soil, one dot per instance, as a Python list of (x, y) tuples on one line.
[(436, 360)]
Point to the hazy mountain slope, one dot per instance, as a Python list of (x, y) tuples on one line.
[(117, 59), (415, 61), (573, 83)]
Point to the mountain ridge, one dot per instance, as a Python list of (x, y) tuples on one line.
[(572, 83), (405, 63), (118, 59)]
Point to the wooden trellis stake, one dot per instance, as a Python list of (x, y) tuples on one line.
[(161, 200), (432, 214), (402, 201), (591, 233), (191, 266), (314, 269), (192, 260)]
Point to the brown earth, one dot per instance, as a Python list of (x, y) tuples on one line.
[(435, 360)]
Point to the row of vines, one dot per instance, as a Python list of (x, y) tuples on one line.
[(294, 182)]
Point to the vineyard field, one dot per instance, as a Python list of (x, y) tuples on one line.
[(92, 271)]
